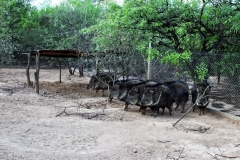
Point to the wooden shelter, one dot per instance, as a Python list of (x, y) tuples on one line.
[(59, 54), (49, 53)]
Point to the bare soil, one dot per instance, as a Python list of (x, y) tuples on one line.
[(67, 121)]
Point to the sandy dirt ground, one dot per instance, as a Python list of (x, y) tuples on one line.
[(90, 128)]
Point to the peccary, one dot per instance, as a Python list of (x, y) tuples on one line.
[(101, 81), (157, 96), (204, 90), (121, 88), (135, 94), (180, 93)]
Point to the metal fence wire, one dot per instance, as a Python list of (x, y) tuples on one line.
[(223, 72), (223, 75)]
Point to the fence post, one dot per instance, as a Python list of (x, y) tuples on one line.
[(149, 70), (97, 68)]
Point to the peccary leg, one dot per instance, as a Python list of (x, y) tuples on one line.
[(183, 106), (126, 107), (96, 92), (110, 99), (193, 108), (157, 110), (177, 103), (163, 109), (170, 111), (140, 109), (144, 110), (153, 113), (103, 93), (74, 70), (200, 108)]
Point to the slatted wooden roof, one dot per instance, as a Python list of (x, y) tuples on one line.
[(69, 53), (59, 53)]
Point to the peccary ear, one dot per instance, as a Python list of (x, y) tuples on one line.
[(135, 89), (151, 91), (117, 86)]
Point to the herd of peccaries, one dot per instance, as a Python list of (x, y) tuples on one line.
[(153, 94)]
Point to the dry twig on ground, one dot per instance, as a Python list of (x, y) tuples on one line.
[(215, 156), (64, 111), (191, 106)]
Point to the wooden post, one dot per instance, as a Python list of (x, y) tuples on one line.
[(80, 67), (27, 70), (37, 71), (97, 69), (60, 72), (149, 72)]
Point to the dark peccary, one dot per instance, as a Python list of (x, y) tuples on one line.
[(135, 94), (121, 88), (101, 81), (180, 93), (204, 90), (157, 96), (193, 91)]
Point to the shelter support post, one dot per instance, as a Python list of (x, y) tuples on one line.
[(27, 71), (81, 67), (60, 72), (37, 72)]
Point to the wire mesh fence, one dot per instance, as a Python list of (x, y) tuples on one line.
[(223, 75), (223, 71)]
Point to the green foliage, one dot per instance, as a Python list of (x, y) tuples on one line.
[(175, 29), (176, 59), (201, 71), (12, 17)]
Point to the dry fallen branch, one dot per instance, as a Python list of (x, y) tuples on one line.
[(191, 106), (237, 145), (168, 157), (200, 129), (88, 115), (64, 111), (181, 152), (88, 106), (163, 141), (220, 155)]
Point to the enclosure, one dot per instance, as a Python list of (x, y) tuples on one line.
[(50, 114), (95, 129)]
